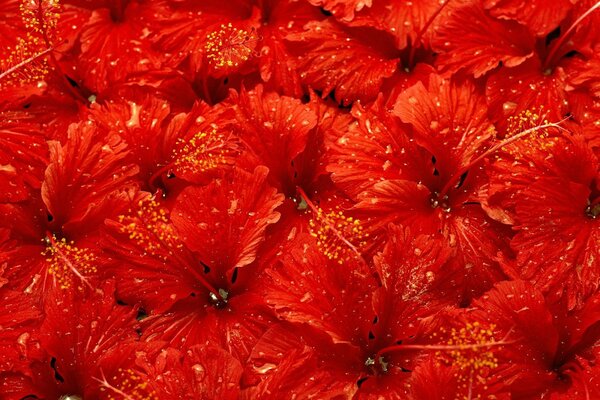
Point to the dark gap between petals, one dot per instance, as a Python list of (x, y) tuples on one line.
[(325, 12), (71, 81), (57, 376), (141, 314), (552, 36), (234, 275), (206, 267), (462, 179)]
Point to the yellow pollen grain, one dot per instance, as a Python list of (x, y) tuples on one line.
[(338, 236), (130, 386), (537, 140), (148, 226), (205, 151), (68, 263), (26, 62), (473, 363), (40, 16), (229, 46)]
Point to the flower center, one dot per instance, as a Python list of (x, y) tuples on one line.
[(219, 300), (69, 397), (205, 151), (230, 46), (377, 364), (593, 211), (438, 201)]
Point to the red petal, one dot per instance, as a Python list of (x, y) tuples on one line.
[(276, 66), (306, 285), (110, 51), (472, 40), (20, 318), (374, 149), (86, 180), (539, 16), (276, 129), (448, 119), (23, 157), (403, 19), (327, 54), (512, 91), (342, 9), (293, 360), (225, 222)]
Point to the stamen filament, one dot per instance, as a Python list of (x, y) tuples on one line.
[(25, 62), (455, 178), (560, 41), (57, 250), (434, 347), (413, 47)]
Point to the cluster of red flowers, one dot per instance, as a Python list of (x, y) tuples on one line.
[(299, 199)]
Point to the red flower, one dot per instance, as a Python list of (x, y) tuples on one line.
[(520, 348), (558, 235), (269, 199), (430, 183), (210, 246), (345, 330), (69, 365)]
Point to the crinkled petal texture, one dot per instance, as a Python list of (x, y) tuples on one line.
[(448, 119), (77, 333), (540, 17), (86, 180), (476, 42), (276, 130), (23, 157), (277, 67), (20, 317), (111, 51), (343, 9), (289, 360), (510, 92), (320, 288), (225, 222), (406, 21), (199, 372), (142, 121), (327, 55), (374, 147)]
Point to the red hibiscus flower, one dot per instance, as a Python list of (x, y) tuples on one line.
[(274, 199), (341, 339)]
